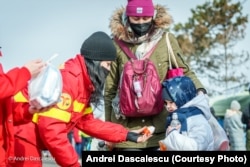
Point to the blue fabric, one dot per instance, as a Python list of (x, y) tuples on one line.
[(180, 89), (78, 148)]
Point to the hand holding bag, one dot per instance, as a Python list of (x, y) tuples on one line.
[(46, 88), (172, 71)]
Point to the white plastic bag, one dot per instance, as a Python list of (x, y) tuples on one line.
[(221, 141), (45, 89)]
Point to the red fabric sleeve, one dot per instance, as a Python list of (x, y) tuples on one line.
[(13, 81), (107, 131), (21, 113)]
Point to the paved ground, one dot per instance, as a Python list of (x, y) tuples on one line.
[(49, 164)]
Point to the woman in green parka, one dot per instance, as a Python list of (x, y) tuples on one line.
[(142, 25)]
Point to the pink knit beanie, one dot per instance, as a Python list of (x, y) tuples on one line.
[(140, 8)]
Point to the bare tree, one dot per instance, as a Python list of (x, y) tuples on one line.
[(208, 39)]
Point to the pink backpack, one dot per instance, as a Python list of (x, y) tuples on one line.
[(140, 89)]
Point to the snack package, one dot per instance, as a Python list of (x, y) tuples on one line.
[(45, 89), (149, 130)]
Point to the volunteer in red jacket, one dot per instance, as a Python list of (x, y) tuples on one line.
[(10, 83), (83, 81)]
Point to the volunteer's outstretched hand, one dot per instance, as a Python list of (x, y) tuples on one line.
[(145, 135), (35, 67), (139, 136)]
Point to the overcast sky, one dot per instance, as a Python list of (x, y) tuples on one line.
[(32, 29)]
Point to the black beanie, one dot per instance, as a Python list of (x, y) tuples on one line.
[(99, 46)]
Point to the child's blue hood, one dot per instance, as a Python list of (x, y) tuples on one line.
[(180, 89)]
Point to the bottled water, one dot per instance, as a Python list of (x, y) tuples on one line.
[(175, 122)]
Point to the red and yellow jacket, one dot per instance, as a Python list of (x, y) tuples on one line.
[(72, 111), (11, 82)]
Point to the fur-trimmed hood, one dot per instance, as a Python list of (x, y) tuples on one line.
[(121, 30)]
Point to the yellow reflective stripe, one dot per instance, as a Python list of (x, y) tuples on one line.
[(61, 114), (77, 106), (19, 97), (87, 111), (54, 113), (35, 118)]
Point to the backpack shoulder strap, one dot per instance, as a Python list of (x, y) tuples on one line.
[(125, 48), (129, 53)]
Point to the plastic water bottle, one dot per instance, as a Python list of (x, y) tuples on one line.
[(175, 122)]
